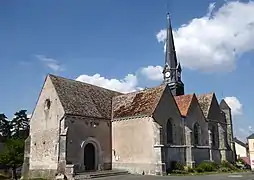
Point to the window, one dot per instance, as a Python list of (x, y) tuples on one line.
[(196, 130), (225, 139), (47, 104), (213, 136), (169, 132)]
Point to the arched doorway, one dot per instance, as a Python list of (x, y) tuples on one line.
[(89, 157)]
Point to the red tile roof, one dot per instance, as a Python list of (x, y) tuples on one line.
[(137, 103), (183, 102)]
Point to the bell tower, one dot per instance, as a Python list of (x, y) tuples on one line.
[(172, 71)]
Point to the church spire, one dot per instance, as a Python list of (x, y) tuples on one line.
[(170, 56), (172, 69)]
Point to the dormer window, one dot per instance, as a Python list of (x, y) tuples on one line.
[(47, 104)]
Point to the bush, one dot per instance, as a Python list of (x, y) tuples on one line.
[(179, 172), (199, 169), (224, 169), (207, 166), (189, 169), (241, 161), (226, 164), (177, 166)]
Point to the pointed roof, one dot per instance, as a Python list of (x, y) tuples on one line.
[(183, 102), (251, 136), (83, 99), (224, 105), (170, 55), (205, 101), (138, 103)]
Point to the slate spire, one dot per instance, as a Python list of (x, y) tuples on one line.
[(170, 55), (172, 69)]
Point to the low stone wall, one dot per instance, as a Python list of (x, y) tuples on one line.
[(139, 168)]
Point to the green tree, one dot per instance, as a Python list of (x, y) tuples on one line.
[(20, 124), (5, 127), (13, 154)]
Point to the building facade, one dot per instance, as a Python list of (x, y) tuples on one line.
[(240, 148), (78, 127)]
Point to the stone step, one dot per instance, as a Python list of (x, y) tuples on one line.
[(98, 174)]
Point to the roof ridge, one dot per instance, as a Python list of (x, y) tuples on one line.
[(140, 91), (68, 79), (84, 99), (158, 100), (204, 94)]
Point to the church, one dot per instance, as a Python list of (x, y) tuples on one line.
[(80, 127)]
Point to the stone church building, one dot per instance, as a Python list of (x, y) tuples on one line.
[(80, 127)]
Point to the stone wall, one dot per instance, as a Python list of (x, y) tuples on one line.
[(82, 131), (200, 154), (175, 154), (25, 166), (216, 156), (167, 110), (133, 142), (44, 133)]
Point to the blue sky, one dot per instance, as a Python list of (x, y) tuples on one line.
[(120, 41)]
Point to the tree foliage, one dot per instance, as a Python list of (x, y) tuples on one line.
[(14, 133), (12, 155), (5, 127), (20, 125)]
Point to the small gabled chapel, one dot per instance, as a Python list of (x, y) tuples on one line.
[(80, 127)]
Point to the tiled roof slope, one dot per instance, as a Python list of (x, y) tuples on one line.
[(205, 101), (83, 99), (137, 103), (183, 102)]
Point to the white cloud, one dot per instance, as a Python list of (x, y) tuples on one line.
[(128, 84), (243, 133), (50, 63), (153, 72), (235, 105), (214, 42)]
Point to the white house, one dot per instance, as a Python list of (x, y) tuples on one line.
[(241, 148)]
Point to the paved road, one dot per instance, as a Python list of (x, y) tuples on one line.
[(242, 176)]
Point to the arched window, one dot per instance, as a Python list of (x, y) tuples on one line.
[(226, 139), (213, 136), (169, 132), (196, 133)]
